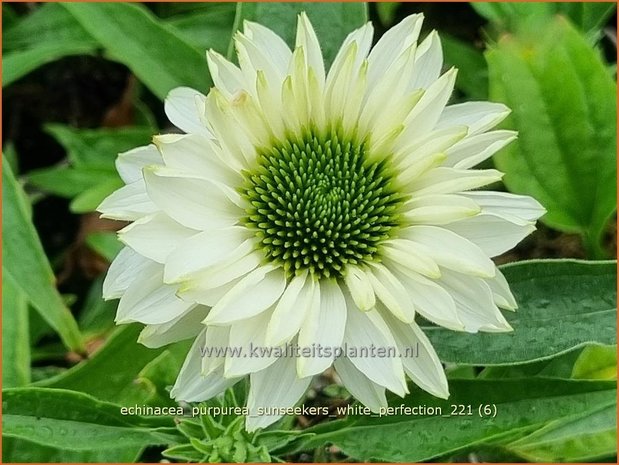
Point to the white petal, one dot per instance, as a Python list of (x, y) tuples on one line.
[(450, 250), (155, 236), (428, 62), (123, 271), (129, 164), (411, 257), (306, 38), (199, 156), (391, 45), (275, 387), (474, 303), (478, 116), (226, 76), (490, 233), (206, 249), (444, 180), (183, 327), (473, 150), (253, 294), (366, 329), (191, 385), (246, 335), (419, 358), (183, 106), (426, 113), (439, 209), (216, 348), (195, 203), (501, 292), (150, 301), (518, 209), (391, 293), (360, 288), (324, 326), (269, 42), (290, 311), (367, 392), (431, 301), (128, 203)]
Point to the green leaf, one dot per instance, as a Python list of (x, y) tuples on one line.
[(387, 12), (89, 200), (590, 17), (76, 423), (15, 335), (597, 362), (508, 16), (24, 261), (210, 28), (98, 148), (105, 243), (124, 365), (66, 181), (472, 69), (44, 36), (332, 21), (563, 106), (584, 438), (520, 405), (563, 304), (157, 55)]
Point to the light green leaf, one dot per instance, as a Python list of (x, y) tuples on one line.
[(584, 438), (15, 335), (121, 362), (472, 69), (563, 304), (563, 106), (332, 21), (66, 181), (157, 55), (520, 405), (597, 362), (75, 422), (24, 260), (89, 200)]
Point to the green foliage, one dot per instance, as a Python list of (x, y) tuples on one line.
[(25, 264), (563, 304), (15, 343), (70, 425), (332, 21), (521, 404), (128, 33), (563, 106)]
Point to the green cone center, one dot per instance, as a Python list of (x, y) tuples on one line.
[(318, 204)]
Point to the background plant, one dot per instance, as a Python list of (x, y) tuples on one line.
[(83, 81)]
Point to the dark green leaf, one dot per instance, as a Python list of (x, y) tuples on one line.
[(472, 69), (89, 200), (25, 262), (66, 181), (520, 405), (157, 55), (563, 304), (209, 28), (105, 243)]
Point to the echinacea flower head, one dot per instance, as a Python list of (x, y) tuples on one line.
[(320, 210)]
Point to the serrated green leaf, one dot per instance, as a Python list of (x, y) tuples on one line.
[(563, 107), (24, 260), (128, 33), (15, 335), (521, 404), (563, 304), (583, 438), (75, 422), (332, 21)]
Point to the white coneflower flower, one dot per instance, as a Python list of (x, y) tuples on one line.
[(317, 209)]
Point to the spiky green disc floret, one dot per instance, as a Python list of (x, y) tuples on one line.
[(318, 204)]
